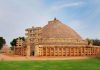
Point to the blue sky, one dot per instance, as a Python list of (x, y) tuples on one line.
[(17, 15)]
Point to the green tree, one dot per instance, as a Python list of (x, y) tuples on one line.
[(95, 42), (23, 38), (2, 42)]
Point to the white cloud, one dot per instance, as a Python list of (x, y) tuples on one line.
[(66, 5)]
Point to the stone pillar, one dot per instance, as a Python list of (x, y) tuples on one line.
[(61, 51), (69, 51), (54, 51), (58, 51), (36, 50), (42, 51), (28, 50), (73, 51), (50, 51), (66, 51), (45, 51), (28, 47)]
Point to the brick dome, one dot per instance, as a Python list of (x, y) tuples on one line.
[(56, 29)]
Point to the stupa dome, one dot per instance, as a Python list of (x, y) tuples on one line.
[(56, 29)]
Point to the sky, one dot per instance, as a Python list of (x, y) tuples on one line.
[(17, 15)]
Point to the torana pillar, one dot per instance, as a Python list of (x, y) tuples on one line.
[(28, 48)]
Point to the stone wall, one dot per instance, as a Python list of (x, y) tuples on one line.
[(68, 51), (60, 51)]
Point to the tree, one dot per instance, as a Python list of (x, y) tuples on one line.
[(89, 41), (14, 41), (95, 42), (2, 42), (23, 38)]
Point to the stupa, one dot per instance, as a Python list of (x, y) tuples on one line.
[(55, 39)]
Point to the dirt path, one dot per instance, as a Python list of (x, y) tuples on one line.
[(23, 58), (14, 57)]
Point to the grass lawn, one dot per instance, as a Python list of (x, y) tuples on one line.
[(88, 64)]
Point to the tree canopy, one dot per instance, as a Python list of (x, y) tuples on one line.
[(2, 42), (95, 42)]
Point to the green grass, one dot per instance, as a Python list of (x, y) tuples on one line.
[(89, 64)]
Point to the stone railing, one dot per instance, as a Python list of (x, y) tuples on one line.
[(20, 51), (68, 51)]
